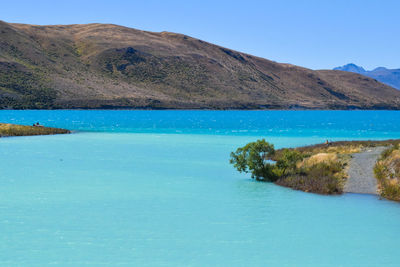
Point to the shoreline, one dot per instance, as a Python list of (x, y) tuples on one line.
[(330, 168), (358, 161), (13, 130), (205, 109)]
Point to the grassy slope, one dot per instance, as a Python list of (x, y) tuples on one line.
[(109, 66), (387, 171), (7, 129)]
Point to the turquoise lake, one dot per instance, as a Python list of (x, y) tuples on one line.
[(155, 188)]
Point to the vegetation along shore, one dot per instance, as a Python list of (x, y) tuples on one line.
[(387, 171), (324, 168), (7, 129)]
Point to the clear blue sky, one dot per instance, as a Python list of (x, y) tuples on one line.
[(318, 34)]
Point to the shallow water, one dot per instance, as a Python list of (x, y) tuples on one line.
[(154, 188)]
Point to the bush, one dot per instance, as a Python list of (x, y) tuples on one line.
[(386, 153), (391, 191), (255, 158), (379, 171), (319, 178), (288, 160), (387, 171)]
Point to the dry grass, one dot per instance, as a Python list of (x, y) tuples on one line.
[(322, 170), (321, 178), (7, 129), (338, 149), (343, 147), (318, 158), (351, 149), (387, 171)]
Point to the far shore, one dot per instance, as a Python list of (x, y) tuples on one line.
[(9, 130)]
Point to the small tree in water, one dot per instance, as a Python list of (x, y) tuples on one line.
[(254, 158)]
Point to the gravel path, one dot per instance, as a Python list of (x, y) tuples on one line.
[(361, 174)]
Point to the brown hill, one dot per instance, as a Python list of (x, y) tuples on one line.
[(109, 66)]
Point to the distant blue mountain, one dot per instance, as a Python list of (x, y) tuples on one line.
[(351, 68), (388, 76)]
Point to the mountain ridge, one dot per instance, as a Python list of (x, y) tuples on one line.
[(93, 66), (387, 76)]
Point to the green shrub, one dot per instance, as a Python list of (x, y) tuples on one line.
[(322, 169), (386, 153), (387, 171), (319, 178), (379, 171), (391, 191), (287, 161), (255, 158)]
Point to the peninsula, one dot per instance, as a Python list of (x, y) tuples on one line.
[(366, 167), (8, 130)]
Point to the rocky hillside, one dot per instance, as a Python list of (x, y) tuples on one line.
[(109, 66), (390, 77)]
